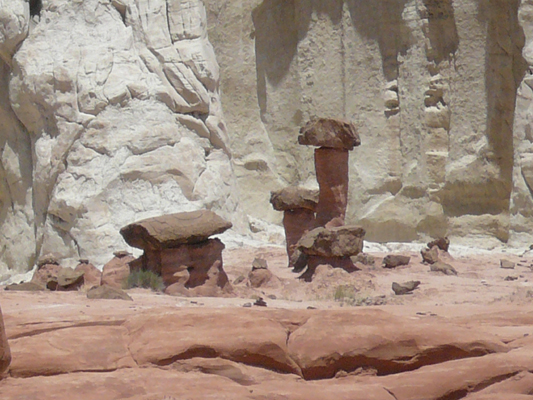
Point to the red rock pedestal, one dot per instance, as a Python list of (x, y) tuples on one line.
[(198, 259), (177, 246), (296, 223), (298, 206), (332, 176)]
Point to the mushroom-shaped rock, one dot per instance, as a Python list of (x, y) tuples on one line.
[(331, 133), (177, 242), (298, 206), (172, 230), (334, 139)]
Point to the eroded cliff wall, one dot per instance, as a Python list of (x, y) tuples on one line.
[(110, 113), (431, 85)]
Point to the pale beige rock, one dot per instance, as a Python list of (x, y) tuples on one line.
[(107, 292), (436, 122), (5, 352), (103, 114)]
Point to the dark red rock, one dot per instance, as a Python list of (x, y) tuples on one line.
[(395, 260), (332, 176), (172, 230), (331, 133), (202, 261), (441, 243)]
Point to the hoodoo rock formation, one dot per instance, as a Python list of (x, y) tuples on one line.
[(112, 111), (178, 248), (330, 242)]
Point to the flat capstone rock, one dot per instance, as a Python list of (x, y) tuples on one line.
[(173, 230), (331, 133), (293, 197)]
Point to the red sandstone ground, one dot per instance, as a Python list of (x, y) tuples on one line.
[(467, 336)]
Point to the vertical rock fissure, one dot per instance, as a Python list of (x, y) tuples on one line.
[(505, 69)]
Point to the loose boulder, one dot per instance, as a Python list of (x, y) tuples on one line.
[(395, 260), (442, 243), (333, 247), (344, 241), (26, 287), (506, 264), (400, 289), (259, 275), (69, 279), (430, 256)]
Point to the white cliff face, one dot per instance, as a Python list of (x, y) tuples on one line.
[(430, 84), (522, 196), (120, 119)]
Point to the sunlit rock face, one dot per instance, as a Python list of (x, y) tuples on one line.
[(110, 112), (431, 86)]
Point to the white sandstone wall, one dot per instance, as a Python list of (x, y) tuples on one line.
[(431, 85), (118, 118)]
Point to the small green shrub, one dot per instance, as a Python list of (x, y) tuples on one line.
[(345, 293), (145, 279)]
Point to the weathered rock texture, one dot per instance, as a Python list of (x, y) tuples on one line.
[(110, 113), (178, 248), (160, 351), (430, 85), (298, 206), (5, 353)]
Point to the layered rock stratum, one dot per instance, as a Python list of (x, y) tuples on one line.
[(431, 86), (112, 111)]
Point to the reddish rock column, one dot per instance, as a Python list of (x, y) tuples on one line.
[(332, 176), (298, 206), (334, 139)]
